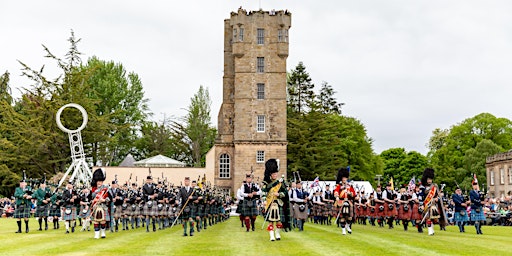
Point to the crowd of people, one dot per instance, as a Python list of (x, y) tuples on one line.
[(111, 206)]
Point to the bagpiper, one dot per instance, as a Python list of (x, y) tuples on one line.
[(431, 212), (251, 194), (276, 200), (460, 214), (71, 201), (389, 196), (150, 210), (100, 216), (477, 212), (299, 197), (345, 201), (42, 195), (23, 195), (85, 208), (404, 206), (186, 197)]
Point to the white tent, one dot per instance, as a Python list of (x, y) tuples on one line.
[(159, 161)]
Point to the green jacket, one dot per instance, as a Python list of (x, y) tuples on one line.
[(18, 194), (41, 195)]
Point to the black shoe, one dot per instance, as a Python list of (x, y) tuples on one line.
[(191, 234), (278, 239), (19, 231), (40, 229), (185, 234), (67, 231)]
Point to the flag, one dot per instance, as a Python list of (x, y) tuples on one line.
[(316, 182), (391, 182), (412, 185)]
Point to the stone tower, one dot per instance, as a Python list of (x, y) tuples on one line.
[(252, 117)]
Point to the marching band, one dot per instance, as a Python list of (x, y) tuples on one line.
[(195, 205)]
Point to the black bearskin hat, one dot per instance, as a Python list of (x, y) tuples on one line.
[(342, 172), (427, 173), (270, 167), (98, 175)]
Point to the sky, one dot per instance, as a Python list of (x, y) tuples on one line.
[(403, 68)]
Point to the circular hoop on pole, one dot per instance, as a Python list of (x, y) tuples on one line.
[(84, 117)]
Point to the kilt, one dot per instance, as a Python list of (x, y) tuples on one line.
[(281, 214), (249, 208), (329, 210), (188, 212), (297, 214), (105, 209), (172, 211), (134, 210), (54, 210), (85, 214), (41, 211), (71, 215), (415, 214), (364, 211), (200, 210), (214, 209), (153, 211), (477, 216), (208, 209), (350, 211), (161, 209), (390, 212), (378, 212), (457, 217), (118, 212), (22, 211), (402, 213), (127, 211), (370, 213), (318, 210)]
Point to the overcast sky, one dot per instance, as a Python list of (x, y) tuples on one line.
[(403, 68)]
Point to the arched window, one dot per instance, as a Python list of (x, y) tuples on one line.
[(224, 166)]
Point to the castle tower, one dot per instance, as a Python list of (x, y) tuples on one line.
[(252, 117)]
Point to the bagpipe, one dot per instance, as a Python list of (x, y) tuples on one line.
[(101, 195)]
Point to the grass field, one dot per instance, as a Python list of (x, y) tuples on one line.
[(228, 238)]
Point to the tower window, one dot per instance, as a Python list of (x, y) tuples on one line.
[(260, 123), (492, 177), (261, 91), (224, 166), (241, 35), (260, 156), (282, 35), (234, 35), (261, 65), (261, 36)]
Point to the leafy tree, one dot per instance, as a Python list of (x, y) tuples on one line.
[(456, 153), (194, 134), (5, 90)]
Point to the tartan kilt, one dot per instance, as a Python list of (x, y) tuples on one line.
[(162, 211), (318, 210), (249, 208), (329, 209), (153, 211), (364, 211), (187, 213), (390, 212), (477, 216), (134, 210), (208, 209), (118, 211), (378, 212), (370, 213), (105, 209), (54, 210), (200, 210), (41, 211), (350, 213), (402, 213), (127, 211), (85, 214), (282, 218), (415, 214), (172, 211), (71, 216), (297, 214), (458, 217), (22, 211)]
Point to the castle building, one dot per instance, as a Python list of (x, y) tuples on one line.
[(252, 117), (499, 174)]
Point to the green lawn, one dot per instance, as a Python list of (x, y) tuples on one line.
[(229, 238)]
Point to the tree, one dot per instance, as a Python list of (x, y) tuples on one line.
[(194, 133), (5, 90), (455, 150), (328, 104), (301, 97)]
